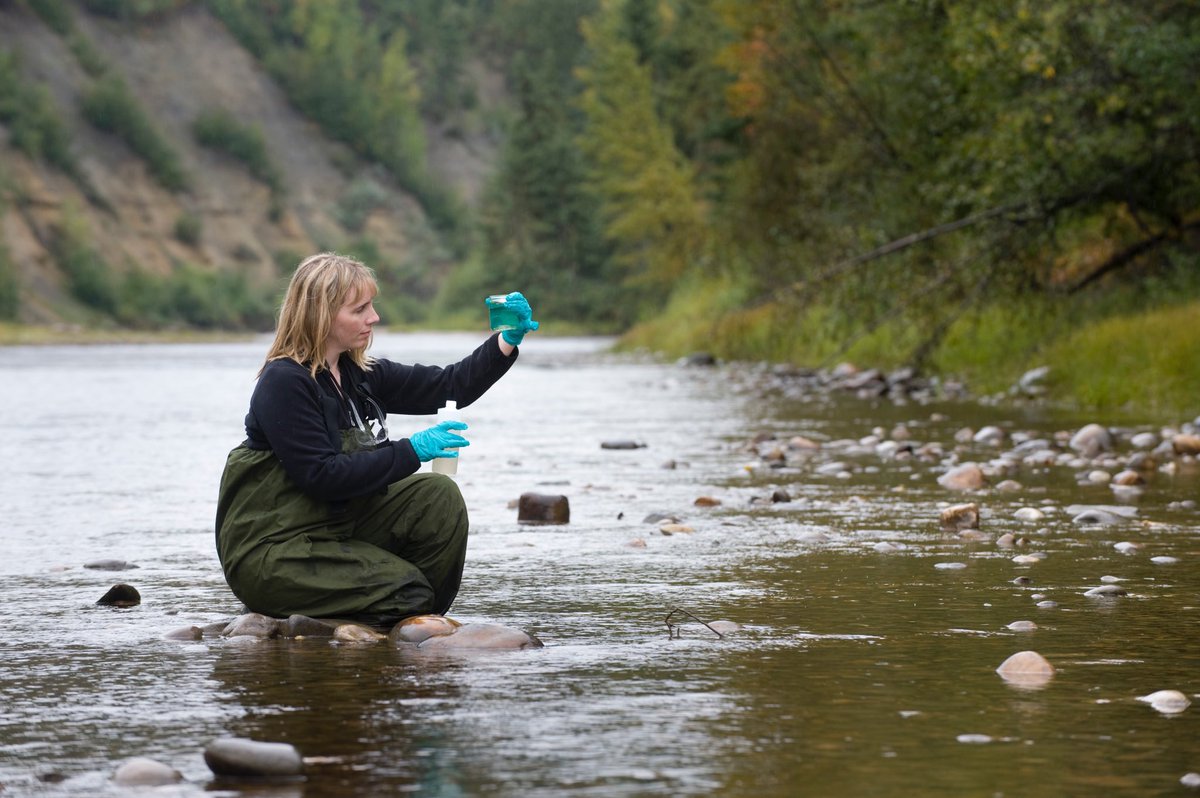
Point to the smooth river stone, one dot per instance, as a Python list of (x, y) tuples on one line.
[(1168, 702), (1029, 514), (968, 476), (120, 596), (241, 757), (481, 636), (252, 624), (420, 628), (1026, 669), (1105, 591), (538, 508), (140, 771), (1022, 626), (356, 633), (960, 517)]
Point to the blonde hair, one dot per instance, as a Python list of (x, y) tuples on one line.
[(322, 284)]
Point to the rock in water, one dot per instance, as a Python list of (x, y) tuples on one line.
[(356, 633), (1026, 669), (120, 596), (241, 757), (420, 628), (480, 636), (960, 517), (1091, 440), (537, 508), (141, 771), (968, 476), (252, 624), (1168, 702)]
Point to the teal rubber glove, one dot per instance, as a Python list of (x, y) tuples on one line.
[(517, 303), (438, 441)]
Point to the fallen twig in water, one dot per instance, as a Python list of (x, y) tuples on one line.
[(673, 632)]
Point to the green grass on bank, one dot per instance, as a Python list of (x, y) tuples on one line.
[(1106, 355)]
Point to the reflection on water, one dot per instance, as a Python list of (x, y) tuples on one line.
[(855, 672)]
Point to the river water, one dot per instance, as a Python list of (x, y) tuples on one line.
[(855, 671)]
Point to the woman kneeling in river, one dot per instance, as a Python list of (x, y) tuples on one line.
[(321, 514)]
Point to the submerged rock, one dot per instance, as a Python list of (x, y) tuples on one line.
[(189, 633), (252, 624), (356, 633), (960, 517), (968, 476), (1026, 669), (109, 565), (120, 596), (420, 628), (140, 771), (304, 626), (241, 757), (1091, 440), (481, 636), (1168, 702), (537, 508)]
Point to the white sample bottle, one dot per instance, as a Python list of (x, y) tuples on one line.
[(447, 465)]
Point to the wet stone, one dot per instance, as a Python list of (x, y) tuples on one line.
[(1022, 626), (304, 626), (420, 628), (109, 565), (968, 476), (1190, 780), (244, 758), (252, 624), (959, 517), (1168, 702), (188, 633), (622, 444), (140, 771), (1026, 668), (481, 636), (1106, 591), (538, 508), (121, 595)]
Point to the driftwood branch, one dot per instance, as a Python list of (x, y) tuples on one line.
[(672, 629)]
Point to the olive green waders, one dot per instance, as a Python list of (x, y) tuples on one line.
[(377, 559)]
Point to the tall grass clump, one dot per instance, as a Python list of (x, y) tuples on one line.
[(110, 107), (9, 288)]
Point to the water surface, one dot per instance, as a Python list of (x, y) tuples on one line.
[(855, 672)]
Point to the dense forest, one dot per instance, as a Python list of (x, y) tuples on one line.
[(961, 187)]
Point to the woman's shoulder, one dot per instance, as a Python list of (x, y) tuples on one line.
[(285, 371)]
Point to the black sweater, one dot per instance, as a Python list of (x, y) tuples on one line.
[(298, 417)]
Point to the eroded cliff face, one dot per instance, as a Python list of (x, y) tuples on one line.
[(178, 67)]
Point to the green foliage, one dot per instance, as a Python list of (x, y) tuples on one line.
[(352, 74), (131, 10), (34, 126), (363, 196), (10, 297), (110, 107), (55, 13), (194, 297), (220, 131), (644, 184), (89, 277), (188, 229)]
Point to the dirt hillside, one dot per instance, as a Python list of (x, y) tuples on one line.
[(179, 67)]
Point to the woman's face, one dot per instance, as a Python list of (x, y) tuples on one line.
[(352, 324)]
